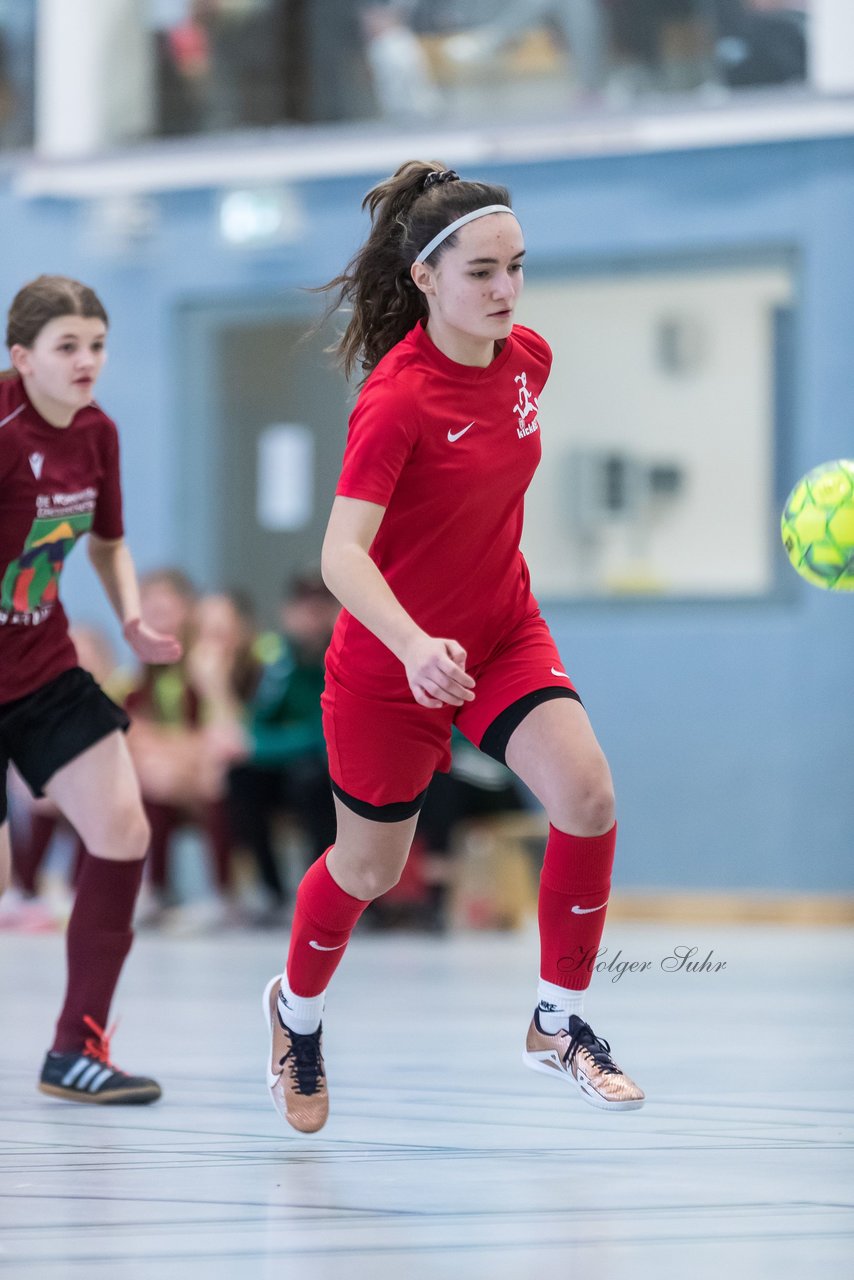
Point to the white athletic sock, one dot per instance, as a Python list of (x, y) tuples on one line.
[(556, 1004), (301, 1013)]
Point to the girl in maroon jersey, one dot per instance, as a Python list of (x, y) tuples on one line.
[(439, 625), (59, 478)]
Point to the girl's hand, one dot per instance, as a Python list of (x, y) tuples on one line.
[(150, 645), (435, 669)]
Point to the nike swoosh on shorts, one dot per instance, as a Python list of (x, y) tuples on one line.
[(455, 435), (318, 947)]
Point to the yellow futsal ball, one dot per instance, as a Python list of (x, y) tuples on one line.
[(818, 526)]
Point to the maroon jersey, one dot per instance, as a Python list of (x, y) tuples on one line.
[(449, 451), (56, 483)]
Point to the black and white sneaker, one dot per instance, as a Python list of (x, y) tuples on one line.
[(87, 1075)]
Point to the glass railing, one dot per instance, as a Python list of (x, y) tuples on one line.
[(213, 66), (240, 63)]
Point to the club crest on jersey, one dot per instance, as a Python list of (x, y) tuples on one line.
[(36, 463), (527, 409)]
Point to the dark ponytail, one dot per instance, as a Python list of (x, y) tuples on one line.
[(407, 211)]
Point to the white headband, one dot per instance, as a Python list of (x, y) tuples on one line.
[(460, 222)]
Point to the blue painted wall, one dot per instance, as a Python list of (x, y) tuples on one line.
[(730, 727)]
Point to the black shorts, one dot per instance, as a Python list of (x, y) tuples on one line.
[(51, 726)]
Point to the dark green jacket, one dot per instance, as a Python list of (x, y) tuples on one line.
[(284, 722)]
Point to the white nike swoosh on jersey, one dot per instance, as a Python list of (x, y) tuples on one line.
[(585, 911), (455, 435), (318, 947), (560, 673)]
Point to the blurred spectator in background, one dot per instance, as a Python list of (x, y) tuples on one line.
[(443, 17), (476, 787), (183, 67), (761, 42), (160, 701), (221, 663), (181, 769), (283, 769), (580, 24), (662, 46), (182, 739), (219, 63), (230, 64), (680, 45), (240, 42), (338, 81), (402, 79), (17, 73), (162, 738)]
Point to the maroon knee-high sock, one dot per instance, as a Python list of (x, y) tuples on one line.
[(98, 939), (324, 918), (574, 887)]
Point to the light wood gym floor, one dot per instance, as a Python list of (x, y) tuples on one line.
[(443, 1156)]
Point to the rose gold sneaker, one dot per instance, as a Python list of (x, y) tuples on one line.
[(295, 1074), (580, 1056)]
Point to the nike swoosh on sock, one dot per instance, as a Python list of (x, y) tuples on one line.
[(585, 911)]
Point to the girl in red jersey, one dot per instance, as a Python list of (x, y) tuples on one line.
[(439, 625), (59, 478)]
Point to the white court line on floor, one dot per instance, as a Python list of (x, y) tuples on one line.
[(443, 1156)]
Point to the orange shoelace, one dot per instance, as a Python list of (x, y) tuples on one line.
[(98, 1048)]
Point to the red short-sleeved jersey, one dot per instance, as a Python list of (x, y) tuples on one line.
[(56, 483), (449, 451)]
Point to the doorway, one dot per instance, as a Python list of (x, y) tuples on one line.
[(257, 376)]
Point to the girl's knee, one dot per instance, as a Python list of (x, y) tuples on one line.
[(126, 834), (368, 874), (376, 880), (368, 858), (599, 810), (587, 808)]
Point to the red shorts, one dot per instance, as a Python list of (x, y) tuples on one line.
[(383, 752)]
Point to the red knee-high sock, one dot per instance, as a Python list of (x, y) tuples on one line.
[(98, 939), (574, 888), (324, 918)]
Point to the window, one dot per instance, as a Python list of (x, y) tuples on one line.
[(658, 426)]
